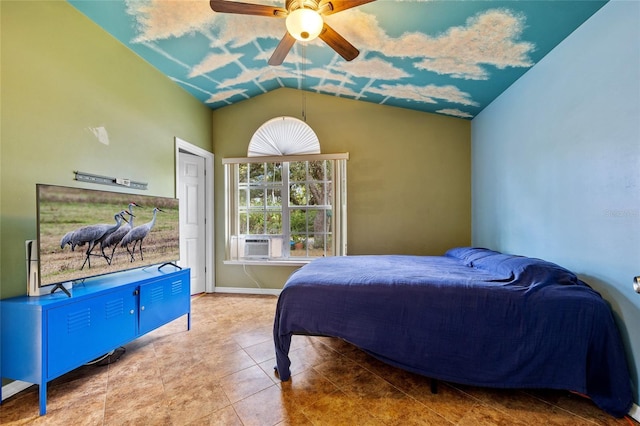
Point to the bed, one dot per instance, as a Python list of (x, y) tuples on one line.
[(473, 316)]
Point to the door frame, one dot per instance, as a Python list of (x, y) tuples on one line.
[(186, 147)]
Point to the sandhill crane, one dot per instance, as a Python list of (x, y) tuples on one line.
[(70, 238), (137, 234), (114, 239), (92, 234)]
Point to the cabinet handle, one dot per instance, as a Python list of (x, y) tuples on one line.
[(142, 308), (131, 312)]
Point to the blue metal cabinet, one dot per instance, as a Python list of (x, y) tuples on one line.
[(85, 330), (164, 300), (45, 337)]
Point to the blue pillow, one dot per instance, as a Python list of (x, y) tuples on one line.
[(525, 270), (468, 255)]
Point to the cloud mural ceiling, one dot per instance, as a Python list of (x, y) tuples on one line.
[(446, 57)]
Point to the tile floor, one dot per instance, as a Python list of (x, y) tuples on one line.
[(221, 373)]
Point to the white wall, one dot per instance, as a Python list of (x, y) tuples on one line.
[(556, 163)]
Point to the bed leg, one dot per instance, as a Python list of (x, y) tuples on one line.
[(434, 386)]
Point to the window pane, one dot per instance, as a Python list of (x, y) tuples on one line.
[(243, 173), (328, 245), (244, 224), (318, 246), (298, 171), (298, 194), (328, 193), (242, 198), (298, 221), (274, 172), (274, 223), (316, 224), (256, 223), (274, 197), (256, 172), (317, 194), (316, 170), (257, 197)]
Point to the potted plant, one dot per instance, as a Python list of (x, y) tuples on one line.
[(298, 242)]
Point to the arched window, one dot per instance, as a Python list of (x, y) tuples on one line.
[(285, 202), (284, 136)]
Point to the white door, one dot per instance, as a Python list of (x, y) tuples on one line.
[(191, 192)]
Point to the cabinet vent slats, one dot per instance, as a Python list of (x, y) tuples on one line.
[(176, 287), (78, 320), (114, 308), (157, 294)]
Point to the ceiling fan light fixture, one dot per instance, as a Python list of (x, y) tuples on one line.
[(304, 24)]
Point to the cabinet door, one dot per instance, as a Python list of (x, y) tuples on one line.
[(93, 326), (164, 300)]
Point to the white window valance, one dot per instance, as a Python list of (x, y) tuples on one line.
[(283, 136)]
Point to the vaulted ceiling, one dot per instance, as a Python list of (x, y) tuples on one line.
[(446, 57)]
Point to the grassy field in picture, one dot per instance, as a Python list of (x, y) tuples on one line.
[(62, 210)]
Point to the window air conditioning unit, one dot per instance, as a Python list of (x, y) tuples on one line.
[(257, 248)]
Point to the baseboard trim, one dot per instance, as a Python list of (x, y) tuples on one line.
[(243, 290), (13, 388), (634, 412)]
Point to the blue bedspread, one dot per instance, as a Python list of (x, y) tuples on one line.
[(473, 316)]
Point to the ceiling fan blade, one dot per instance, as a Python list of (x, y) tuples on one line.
[(224, 6), (282, 49), (328, 7), (338, 43)]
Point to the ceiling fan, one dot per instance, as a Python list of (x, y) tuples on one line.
[(303, 20)]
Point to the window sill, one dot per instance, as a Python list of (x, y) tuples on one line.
[(267, 262)]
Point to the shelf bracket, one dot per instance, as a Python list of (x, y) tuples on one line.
[(106, 180)]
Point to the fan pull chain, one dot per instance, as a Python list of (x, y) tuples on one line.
[(304, 78)]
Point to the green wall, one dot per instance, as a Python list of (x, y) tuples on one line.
[(409, 187), (62, 75)]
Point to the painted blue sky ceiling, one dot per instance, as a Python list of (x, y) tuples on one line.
[(447, 57)]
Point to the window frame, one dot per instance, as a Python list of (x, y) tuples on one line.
[(338, 202)]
